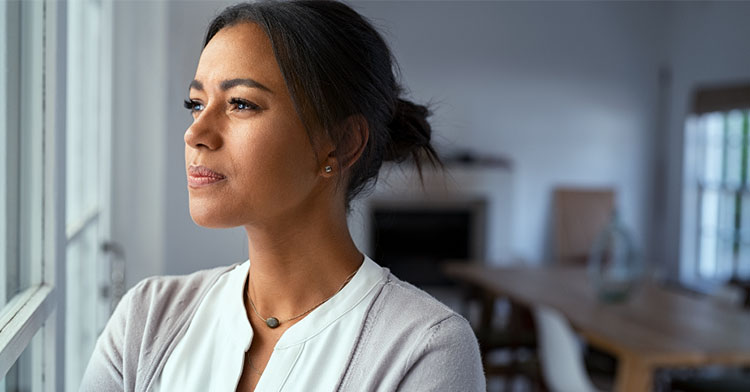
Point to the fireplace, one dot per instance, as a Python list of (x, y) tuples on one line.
[(409, 226), (412, 239)]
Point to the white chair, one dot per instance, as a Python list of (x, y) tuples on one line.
[(560, 353)]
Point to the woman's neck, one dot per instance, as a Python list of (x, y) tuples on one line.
[(294, 267)]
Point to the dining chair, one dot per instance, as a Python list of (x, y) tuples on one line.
[(560, 353), (513, 338), (579, 216)]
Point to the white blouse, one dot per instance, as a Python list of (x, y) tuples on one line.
[(310, 356)]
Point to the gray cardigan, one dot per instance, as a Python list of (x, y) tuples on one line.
[(408, 341)]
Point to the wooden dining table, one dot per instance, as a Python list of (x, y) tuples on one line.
[(654, 328)]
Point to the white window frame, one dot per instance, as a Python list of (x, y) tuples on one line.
[(703, 264), (40, 308)]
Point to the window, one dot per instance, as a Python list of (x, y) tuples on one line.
[(718, 185), (55, 105), (26, 194)]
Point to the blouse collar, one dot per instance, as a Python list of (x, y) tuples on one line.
[(362, 283)]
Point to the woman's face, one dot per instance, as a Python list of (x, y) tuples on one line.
[(246, 132)]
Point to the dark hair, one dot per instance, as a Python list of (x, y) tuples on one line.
[(335, 65)]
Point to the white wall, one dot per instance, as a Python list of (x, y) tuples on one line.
[(567, 90), (138, 137)]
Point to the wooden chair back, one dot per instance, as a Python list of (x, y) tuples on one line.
[(580, 215)]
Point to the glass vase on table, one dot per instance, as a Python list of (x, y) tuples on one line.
[(614, 266)]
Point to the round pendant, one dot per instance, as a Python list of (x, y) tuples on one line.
[(272, 322)]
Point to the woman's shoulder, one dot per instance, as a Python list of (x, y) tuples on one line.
[(168, 301), (177, 285), (147, 319), (409, 338), (401, 299), (408, 315)]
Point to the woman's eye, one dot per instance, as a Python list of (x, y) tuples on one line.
[(242, 104), (193, 105)]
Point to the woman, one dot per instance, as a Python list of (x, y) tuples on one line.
[(295, 107)]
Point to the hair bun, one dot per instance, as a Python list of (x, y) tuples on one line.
[(409, 132)]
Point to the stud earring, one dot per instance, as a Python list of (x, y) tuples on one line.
[(328, 169)]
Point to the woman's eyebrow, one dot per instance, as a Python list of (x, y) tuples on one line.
[(227, 84)]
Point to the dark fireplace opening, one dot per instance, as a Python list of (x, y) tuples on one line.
[(414, 240)]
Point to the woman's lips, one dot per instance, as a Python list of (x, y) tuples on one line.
[(200, 176)]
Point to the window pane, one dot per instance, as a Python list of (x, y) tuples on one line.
[(743, 260), (21, 160), (732, 163), (714, 148), (709, 219), (7, 201)]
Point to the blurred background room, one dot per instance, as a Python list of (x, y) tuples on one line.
[(592, 222)]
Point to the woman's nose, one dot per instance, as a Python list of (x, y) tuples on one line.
[(203, 133)]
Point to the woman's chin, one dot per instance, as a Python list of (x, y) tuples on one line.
[(210, 218)]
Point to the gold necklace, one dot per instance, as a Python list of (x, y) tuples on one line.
[(273, 322)]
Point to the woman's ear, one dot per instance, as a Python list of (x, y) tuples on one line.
[(354, 135)]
